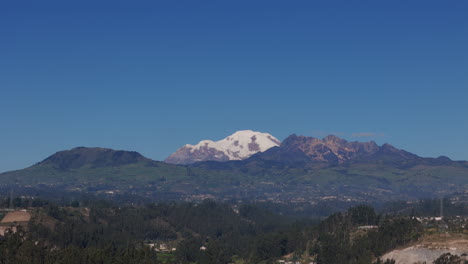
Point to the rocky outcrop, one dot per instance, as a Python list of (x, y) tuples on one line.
[(329, 149)]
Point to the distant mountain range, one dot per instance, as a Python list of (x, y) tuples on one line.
[(333, 150), (252, 165)]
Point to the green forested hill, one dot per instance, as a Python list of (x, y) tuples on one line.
[(267, 176)]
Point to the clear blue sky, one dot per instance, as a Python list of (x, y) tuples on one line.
[(152, 76)]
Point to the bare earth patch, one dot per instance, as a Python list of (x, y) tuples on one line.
[(17, 216), (429, 248)]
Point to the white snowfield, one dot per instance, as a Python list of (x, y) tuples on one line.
[(240, 145)]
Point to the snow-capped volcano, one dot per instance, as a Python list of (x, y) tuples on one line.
[(238, 146)]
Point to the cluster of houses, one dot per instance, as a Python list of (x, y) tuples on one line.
[(161, 247)]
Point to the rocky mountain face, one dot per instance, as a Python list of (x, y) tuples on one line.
[(329, 149), (238, 146), (333, 150)]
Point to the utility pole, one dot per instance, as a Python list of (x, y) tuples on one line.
[(442, 206)]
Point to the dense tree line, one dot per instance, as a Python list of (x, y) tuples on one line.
[(19, 248), (103, 232), (448, 258), (341, 241)]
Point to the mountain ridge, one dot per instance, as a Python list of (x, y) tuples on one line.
[(331, 150), (301, 167)]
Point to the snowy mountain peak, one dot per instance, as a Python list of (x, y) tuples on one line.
[(238, 146)]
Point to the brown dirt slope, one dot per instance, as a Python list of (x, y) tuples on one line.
[(17, 216)]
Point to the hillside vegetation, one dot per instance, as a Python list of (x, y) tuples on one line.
[(101, 232)]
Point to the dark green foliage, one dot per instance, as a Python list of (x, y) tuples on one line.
[(340, 241), (388, 261), (395, 231), (363, 215), (448, 258), (106, 233)]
